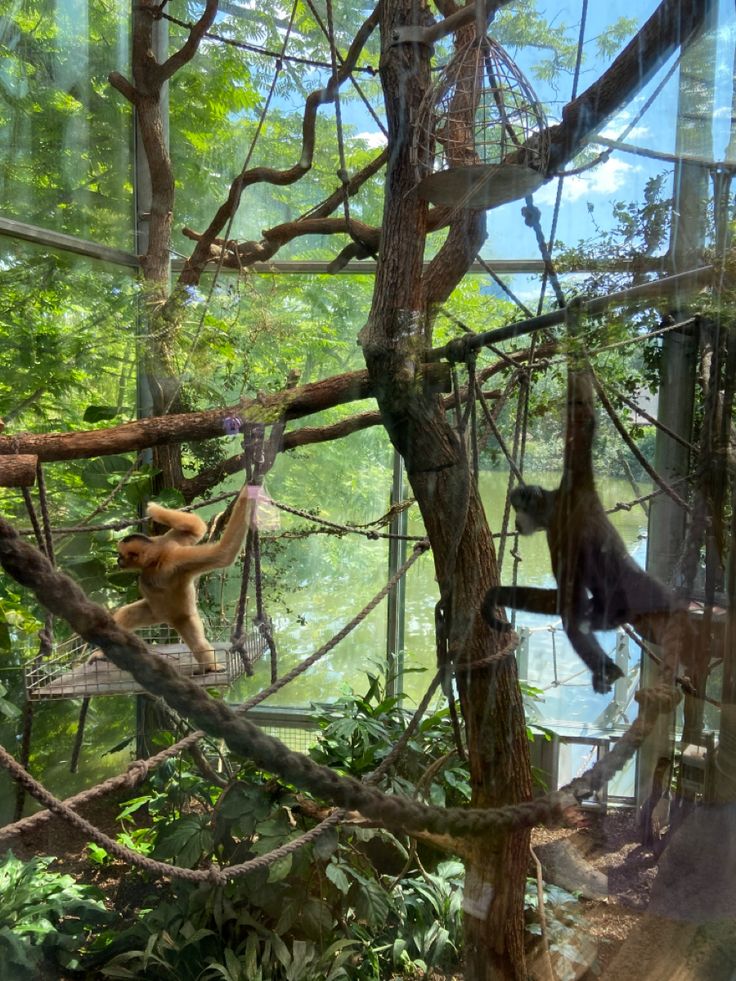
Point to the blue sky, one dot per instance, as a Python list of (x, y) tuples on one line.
[(623, 176)]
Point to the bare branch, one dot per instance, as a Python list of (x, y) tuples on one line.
[(126, 88), (191, 45), (199, 258)]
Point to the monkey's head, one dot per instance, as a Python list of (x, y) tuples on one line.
[(135, 552), (534, 508)]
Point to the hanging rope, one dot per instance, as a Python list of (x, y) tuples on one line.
[(125, 650), (342, 173), (532, 218), (258, 458), (518, 435), (507, 289), (45, 542), (238, 184), (621, 429)]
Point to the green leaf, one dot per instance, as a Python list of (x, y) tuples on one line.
[(336, 875), (280, 869), (372, 904), (185, 840)]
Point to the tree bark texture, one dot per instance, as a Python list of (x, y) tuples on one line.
[(18, 471), (395, 340), (291, 403)]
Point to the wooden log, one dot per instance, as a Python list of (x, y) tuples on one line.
[(294, 403), (18, 470)]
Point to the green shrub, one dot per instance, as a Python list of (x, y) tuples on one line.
[(43, 916)]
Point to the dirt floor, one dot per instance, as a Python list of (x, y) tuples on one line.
[(663, 918), (615, 938)]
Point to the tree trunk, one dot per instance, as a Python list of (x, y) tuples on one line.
[(395, 339)]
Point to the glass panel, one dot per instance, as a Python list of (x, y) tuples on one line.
[(67, 362), (65, 134)]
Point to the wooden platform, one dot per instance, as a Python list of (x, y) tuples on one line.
[(102, 677)]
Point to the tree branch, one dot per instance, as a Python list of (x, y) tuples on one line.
[(292, 403), (126, 88), (188, 50), (671, 25), (194, 266)]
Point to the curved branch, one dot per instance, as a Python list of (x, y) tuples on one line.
[(188, 50), (470, 227), (194, 266), (467, 234)]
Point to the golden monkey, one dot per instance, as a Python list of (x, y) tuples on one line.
[(170, 565)]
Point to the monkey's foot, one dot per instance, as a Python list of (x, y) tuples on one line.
[(212, 668)]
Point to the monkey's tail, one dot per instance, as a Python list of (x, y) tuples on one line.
[(488, 609)]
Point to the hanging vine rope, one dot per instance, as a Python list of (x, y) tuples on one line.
[(507, 289), (621, 429)]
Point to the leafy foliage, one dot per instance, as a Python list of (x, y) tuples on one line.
[(44, 916), (356, 904)]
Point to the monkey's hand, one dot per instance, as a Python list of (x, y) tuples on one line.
[(488, 609), (605, 675)]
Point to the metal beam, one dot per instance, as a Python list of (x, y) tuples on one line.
[(66, 243), (666, 286), (367, 267)]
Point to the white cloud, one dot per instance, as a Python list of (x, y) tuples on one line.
[(605, 179), (373, 140), (614, 132)]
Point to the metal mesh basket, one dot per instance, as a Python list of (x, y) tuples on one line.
[(481, 132), (69, 673)]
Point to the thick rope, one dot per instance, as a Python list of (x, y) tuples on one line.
[(63, 596), (139, 769), (212, 874)]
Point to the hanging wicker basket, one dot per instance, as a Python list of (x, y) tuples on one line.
[(481, 132)]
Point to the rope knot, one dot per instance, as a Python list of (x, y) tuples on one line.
[(215, 876), (663, 698), (531, 215), (137, 772)]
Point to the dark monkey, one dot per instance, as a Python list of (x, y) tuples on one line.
[(599, 586)]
